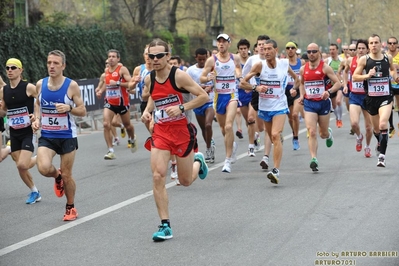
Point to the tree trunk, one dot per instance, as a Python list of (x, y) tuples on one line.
[(172, 17)]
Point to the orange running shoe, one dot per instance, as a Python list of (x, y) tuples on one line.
[(70, 214), (339, 123), (59, 187), (359, 143)]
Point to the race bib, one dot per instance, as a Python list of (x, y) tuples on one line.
[(225, 85), (160, 115), (273, 89), (54, 121), (378, 86), (113, 93), (18, 117), (314, 89), (357, 87)]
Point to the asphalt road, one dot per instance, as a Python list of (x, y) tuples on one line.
[(341, 215)]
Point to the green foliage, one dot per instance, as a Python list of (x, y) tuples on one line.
[(85, 49)]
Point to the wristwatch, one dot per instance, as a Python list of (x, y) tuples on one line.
[(181, 107), (254, 87), (118, 83)]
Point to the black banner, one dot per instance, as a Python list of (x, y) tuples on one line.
[(92, 103)]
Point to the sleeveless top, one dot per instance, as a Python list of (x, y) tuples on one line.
[(296, 69), (54, 124), (355, 87), (314, 82), (225, 82), (380, 84), (195, 72), (115, 95), (396, 61), (168, 94), (19, 106), (274, 99), (140, 86)]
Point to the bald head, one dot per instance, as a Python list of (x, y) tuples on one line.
[(313, 46)]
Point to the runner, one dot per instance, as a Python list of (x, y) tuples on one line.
[(377, 68), (316, 101), (393, 51), (173, 132), (117, 78), (336, 98), (224, 68), (245, 97), (273, 106), (58, 101), (292, 93), (205, 113), (356, 99), (18, 100), (253, 109)]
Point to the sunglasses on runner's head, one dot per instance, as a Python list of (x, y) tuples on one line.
[(11, 67), (158, 55), (312, 51), (290, 48)]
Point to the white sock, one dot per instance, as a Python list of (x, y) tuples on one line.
[(111, 150), (34, 189)]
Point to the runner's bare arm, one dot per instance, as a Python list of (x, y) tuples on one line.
[(256, 69), (204, 78)]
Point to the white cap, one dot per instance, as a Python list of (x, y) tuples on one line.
[(224, 36)]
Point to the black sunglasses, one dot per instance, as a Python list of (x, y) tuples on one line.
[(392, 43), (11, 67), (158, 55), (352, 50), (312, 51), (290, 48)]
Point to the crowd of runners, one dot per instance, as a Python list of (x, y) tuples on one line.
[(264, 86)]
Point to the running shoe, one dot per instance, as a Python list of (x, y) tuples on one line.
[(133, 144), (251, 152), (359, 144), (239, 134), (33, 197), (208, 155), (257, 141), (314, 165), (203, 171), (295, 144), (339, 123), (377, 149), (109, 156), (164, 233), (226, 167), (265, 162), (391, 132), (273, 175), (330, 141), (213, 148), (367, 152), (381, 160), (123, 132), (234, 153), (116, 142), (351, 132), (173, 171), (59, 186), (70, 214)]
